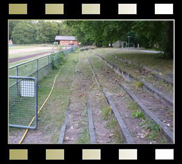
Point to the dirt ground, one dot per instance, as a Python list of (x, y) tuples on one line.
[(28, 50), (82, 85), (109, 80)]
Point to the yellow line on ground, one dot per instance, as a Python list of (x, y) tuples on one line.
[(24, 135)]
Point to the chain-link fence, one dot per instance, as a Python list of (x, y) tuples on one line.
[(38, 67), (22, 96)]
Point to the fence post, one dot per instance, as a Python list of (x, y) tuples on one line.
[(37, 68), (48, 61), (17, 80)]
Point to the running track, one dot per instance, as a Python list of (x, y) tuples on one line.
[(26, 57)]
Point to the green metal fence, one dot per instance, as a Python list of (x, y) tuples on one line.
[(23, 91)]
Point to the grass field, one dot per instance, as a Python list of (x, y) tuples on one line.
[(151, 60)]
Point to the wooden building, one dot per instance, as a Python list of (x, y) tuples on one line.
[(66, 40)]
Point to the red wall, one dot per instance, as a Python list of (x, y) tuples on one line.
[(67, 42)]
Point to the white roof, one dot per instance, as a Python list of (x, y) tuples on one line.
[(65, 38)]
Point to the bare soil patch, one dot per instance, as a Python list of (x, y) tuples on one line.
[(83, 82), (104, 134)]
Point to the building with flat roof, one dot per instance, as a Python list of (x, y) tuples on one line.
[(66, 40)]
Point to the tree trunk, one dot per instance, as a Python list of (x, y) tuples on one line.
[(169, 40)]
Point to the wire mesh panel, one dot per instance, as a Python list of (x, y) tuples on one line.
[(39, 67), (23, 80), (23, 100)]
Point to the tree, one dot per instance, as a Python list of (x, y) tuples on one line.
[(46, 31), (12, 24), (148, 34), (24, 32), (100, 32), (64, 30), (168, 49)]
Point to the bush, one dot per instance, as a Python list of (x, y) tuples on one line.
[(54, 67)]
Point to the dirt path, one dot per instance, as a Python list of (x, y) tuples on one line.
[(28, 56), (84, 85), (78, 124), (103, 134)]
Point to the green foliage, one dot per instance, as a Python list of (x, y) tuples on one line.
[(138, 84), (64, 30), (54, 67), (152, 136), (149, 34), (106, 112), (62, 58), (46, 31), (75, 61), (150, 124), (12, 24), (24, 32), (60, 47), (153, 128), (137, 113), (84, 135), (84, 138), (31, 32), (132, 105)]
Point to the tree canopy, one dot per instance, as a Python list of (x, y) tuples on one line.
[(149, 34), (32, 32)]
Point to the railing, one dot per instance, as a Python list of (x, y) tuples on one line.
[(37, 67), (23, 84)]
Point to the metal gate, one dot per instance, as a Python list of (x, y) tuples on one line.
[(23, 102)]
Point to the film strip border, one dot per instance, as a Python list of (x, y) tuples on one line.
[(90, 154), (93, 9), (118, 9)]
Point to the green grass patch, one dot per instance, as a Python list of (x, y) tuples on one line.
[(137, 84), (137, 113), (112, 124), (153, 129), (84, 136), (54, 111), (106, 112), (150, 60), (132, 105)]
